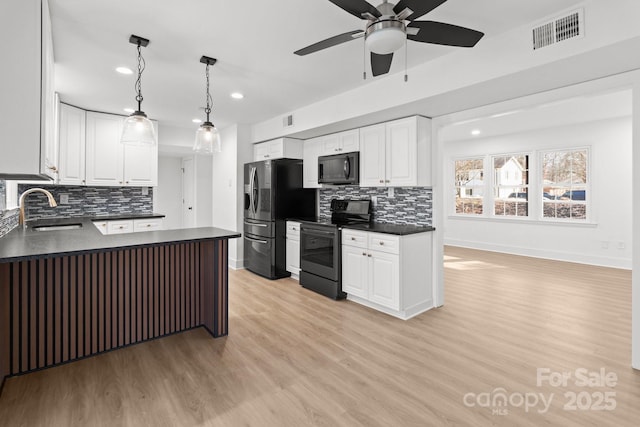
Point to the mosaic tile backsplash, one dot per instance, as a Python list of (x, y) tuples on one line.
[(88, 201), (8, 219), (407, 206)]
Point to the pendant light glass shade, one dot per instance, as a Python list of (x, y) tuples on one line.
[(207, 139), (207, 136), (138, 130)]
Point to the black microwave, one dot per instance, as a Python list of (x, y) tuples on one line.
[(339, 169)]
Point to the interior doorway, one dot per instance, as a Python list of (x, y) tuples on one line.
[(188, 194)]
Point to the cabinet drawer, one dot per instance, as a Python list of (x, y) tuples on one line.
[(101, 226), (147, 224), (119, 227), (293, 230), (354, 238), (384, 243)]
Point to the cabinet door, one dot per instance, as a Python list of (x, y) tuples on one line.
[(260, 152), (275, 149), (72, 145), (401, 153), (330, 144), (372, 156), (140, 166), (105, 154), (355, 265), (385, 279), (312, 149), (49, 151), (350, 141), (293, 255)]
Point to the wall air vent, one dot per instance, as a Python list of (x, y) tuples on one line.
[(287, 121), (559, 29)]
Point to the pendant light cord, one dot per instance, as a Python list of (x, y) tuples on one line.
[(208, 95), (138, 86)]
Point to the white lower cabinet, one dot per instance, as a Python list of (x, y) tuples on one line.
[(293, 248), (128, 225), (386, 272)]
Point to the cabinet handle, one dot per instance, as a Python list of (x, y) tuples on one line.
[(381, 243), (127, 182), (52, 168), (148, 225), (84, 182), (388, 181), (382, 181), (120, 182), (121, 227), (364, 254), (369, 255)]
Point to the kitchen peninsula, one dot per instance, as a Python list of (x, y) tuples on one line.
[(66, 294)]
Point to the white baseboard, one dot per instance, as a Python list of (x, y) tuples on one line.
[(236, 264), (602, 261), (400, 314)]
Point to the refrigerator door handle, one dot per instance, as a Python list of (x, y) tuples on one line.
[(264, 242), (251, 201), (253, 224), (255, 193)]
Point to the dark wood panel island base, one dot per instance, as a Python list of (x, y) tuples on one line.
[(61, 308)]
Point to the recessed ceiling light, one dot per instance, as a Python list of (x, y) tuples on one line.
[(475, 132), (237, 95), (129, 110), (196, 121), (124, 70)]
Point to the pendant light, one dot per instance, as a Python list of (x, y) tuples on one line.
[(137, 128), (207, 136)]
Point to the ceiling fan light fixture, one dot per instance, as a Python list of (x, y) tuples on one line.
[(385, 37)]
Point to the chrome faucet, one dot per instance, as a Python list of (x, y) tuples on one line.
[(52, 202)]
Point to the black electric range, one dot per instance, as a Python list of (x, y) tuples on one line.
[(320, 246)]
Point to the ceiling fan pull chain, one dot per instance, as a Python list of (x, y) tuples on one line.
[(364, 59), (406, 56)]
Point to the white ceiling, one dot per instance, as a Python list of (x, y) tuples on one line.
[(254, 43)]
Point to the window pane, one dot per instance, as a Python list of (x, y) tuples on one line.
[(510, 185), (469, 181), (565, 184)]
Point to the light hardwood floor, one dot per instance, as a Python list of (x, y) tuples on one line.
[(294, 358)]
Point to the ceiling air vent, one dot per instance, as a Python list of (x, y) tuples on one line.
[(558, 30), (287, 121)]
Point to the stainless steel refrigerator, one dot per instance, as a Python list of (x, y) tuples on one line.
[(273, 193)]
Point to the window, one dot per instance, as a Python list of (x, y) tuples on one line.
[(469, 183), (511, 185), (565, 184)]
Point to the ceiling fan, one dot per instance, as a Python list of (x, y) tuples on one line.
[(388, 28)]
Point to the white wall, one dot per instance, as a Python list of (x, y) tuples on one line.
[(227, 189), (167, 196), (203, 175), (610, 174)]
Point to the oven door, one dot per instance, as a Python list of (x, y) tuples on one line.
[(320, 251)]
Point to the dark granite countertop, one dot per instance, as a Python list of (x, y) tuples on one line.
[(72, 220), (397, 229), (21, 244)]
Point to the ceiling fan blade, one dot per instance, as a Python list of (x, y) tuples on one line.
[(380, 64), (331, 41), (445, 34), (357, 7), (419, 7)]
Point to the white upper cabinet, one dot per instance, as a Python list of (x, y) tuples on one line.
[(140, 165), (312, 150), (372, 156), (72, 135), (105, 153), (396, 154), (342, 142), (27, 104), (280, 148)]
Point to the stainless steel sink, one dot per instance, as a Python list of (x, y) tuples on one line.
[(57, 227)]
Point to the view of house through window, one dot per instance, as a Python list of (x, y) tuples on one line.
[(469, 181), (511, 185), (564, 183)]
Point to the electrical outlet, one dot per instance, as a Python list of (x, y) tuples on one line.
[(64, 199), (145, 191), (391, 192), (374, 201)]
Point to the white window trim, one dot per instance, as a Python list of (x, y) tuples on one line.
[(452, 172)]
